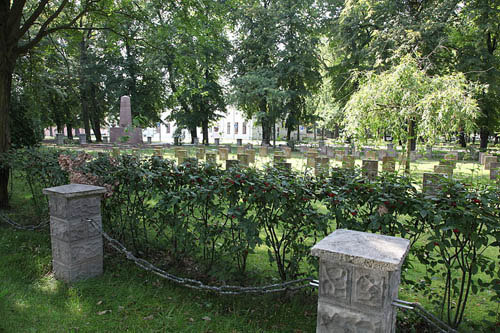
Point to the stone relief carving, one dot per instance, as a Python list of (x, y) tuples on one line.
[(369, 288), (331, 319), (335, 281)]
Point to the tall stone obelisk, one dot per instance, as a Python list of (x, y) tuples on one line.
[(126, 129)]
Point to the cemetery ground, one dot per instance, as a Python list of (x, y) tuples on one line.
[(126, 297)]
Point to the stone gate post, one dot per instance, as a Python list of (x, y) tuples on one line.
[(359, 276), (77, 250)]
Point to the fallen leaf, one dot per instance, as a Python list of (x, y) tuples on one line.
[(191, 319), (120, 308), (207, 318), (100, 313), (150, 317), (99, 303)]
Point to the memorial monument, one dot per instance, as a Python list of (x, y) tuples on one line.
[(125, 133)]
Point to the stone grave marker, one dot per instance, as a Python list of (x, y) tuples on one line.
[(251, 155), (321, 165), (494, 168), (181, 156), (283, 165), (263, 151), (60, 139), (223, 154), (115, 152), (243, 159), (444, 169), (431, 182), (125, 129), (211, 157), (348, 162), (279, 157), (370, 169), (488, 160), (287, 152), (200, 153), (371, 155), (388, 164), (231, 164), (82, 139)]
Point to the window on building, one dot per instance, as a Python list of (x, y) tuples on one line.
[(168, 128), (216, 129), (236, 128), (228, 127), (244, 129)]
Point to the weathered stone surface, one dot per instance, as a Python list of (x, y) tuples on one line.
[(251, 155), (371, 251), (279, 157), (125, 112), (488, 160), (60, 139), (200, 153), (217, 141), (431, 182), (370, 169), (337, 319), (444, 169), (371, 155), (321, 165), (494, 170), (232, 163), (211, 158), (388, 164), (348, 162), (223, 154), (263, 151), (77, 249), (181, 156), (243, 159), (287, 152), (82, 139), (240, 150)]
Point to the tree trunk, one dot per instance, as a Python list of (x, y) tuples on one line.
[(336, 133), (204, 127), (193, 134), (288, 134), (6, 70), (95, 117), (69, 129), (413, 137), (484, 134), (298, 133), (411, 131), (84, 90), (461, 139)]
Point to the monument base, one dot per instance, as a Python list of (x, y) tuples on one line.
[(135, 135)]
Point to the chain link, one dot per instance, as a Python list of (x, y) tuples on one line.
[(437, 323), (195, 284), (21, 226)]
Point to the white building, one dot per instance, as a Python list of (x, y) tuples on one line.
[(228, 129)]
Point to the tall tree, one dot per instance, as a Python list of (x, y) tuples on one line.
[(23, 24)]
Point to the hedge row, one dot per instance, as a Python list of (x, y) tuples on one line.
[(208, 214)]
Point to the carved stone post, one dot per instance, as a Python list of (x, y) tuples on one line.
[(359, 276), (77, 251)]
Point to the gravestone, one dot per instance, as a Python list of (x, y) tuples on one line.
[(105, 139), (444, 169), (370, 169), (82, 139), (348, 162), (77, 247), (240, 150), (196, 141), (251, 155), (60, 139), (359, 277), (311, 158), (431, 182), (450, 163), (211, 158), (428, 152), (321, 165), (200, 153), (371, 155), (125, 129), (217, 141), (223, 154), (231, 164), (284, 166), (494, 168), (279, 157), (158, 152), (481, 157), (388, 164), (382, 154), (150, 140), (488, 160), (181, 156), (263, 151), (243, 159), (287, 152)]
